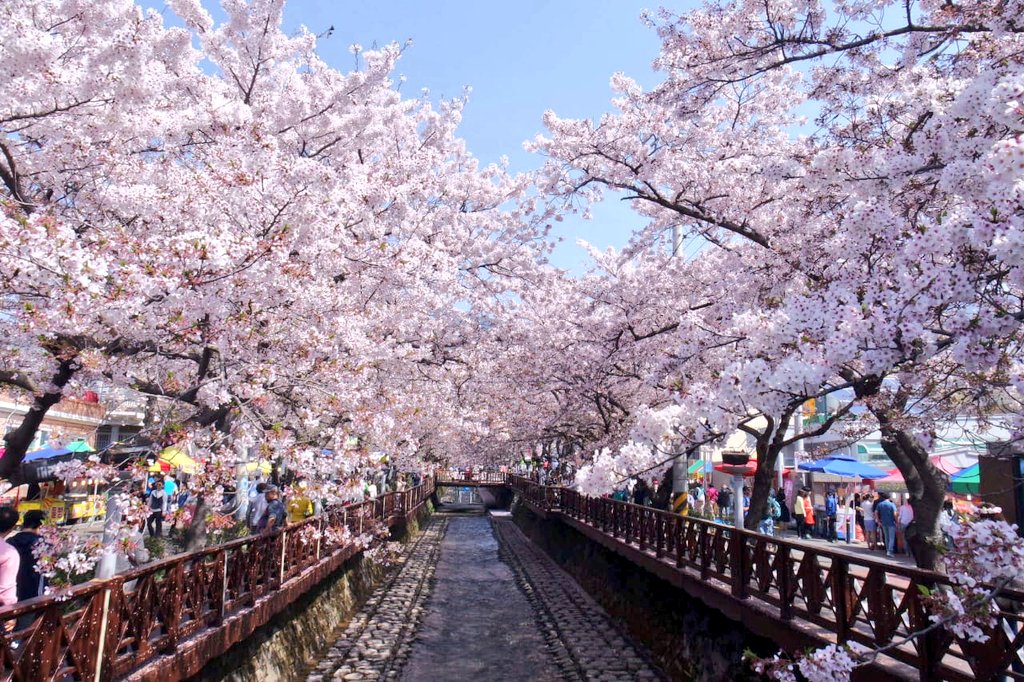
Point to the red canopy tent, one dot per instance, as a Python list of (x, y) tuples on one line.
[(941, 462), (747, 469)]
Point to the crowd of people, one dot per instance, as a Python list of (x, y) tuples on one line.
[(164, 495), (546, 471), (268, 501), (884, 520)]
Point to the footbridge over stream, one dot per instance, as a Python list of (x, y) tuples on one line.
[(494, 598)]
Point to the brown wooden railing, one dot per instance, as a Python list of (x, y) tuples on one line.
[(163, 621), (817, 593)]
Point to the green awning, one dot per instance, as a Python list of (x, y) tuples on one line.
[(79, 446), (696, 468), (966, 481)]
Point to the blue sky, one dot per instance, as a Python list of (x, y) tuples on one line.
[(520, 58)]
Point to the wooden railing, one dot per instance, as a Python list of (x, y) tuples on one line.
[(841, 597), (472, 478), (168, 618)]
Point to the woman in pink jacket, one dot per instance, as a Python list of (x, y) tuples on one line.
[(9, 559)]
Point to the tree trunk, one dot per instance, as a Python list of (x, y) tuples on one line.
[(767, 454), (926, 484), (663, 498), (769, 445), (18, 440), (195, 534)]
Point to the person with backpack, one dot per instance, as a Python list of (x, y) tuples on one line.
[(774, 509), (885, 517), (30, 582), (697, 493), (780, 499), (641, 492), (157, 502)]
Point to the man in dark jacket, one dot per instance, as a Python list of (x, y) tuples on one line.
[(30, 583), (641, 492)]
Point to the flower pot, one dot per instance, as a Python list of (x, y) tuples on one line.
[(736, 459)]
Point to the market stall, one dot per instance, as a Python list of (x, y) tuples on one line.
[(64, 501), (846, 469)]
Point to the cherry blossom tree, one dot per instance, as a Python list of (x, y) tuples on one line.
[(889, 222), (283, 255)]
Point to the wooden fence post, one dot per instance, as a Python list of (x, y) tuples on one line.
[(102, 641), (704, 551), (284, 552), (784, 579), (737, 563), (659, 534), (841, 597)]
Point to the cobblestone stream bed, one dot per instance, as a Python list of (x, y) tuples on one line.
[(474, 599)]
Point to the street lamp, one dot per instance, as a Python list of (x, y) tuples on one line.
[(734, 462)]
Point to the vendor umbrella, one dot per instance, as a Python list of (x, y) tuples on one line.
[(179, 459), (263, 466), (40, 465), (45, 453), (79, 446)]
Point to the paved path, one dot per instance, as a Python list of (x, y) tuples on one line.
[(376, 641), (478, 624), (473, 599), (587, 642)]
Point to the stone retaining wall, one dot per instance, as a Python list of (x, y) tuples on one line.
[(283, 649), (688, 640)]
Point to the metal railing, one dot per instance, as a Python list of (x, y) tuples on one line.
[(854, 599), (192, 606)]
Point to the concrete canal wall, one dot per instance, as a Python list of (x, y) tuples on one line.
[(688, 640), (285, 648)]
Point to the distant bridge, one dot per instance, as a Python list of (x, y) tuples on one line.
[(472, 479)]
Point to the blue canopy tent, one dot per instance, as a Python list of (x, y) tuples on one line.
[(45, 453), (844, 467)]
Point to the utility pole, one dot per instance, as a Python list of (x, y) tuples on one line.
[(798, 428), (681, 464)]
